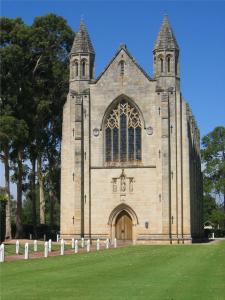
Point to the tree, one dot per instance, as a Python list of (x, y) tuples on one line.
[(213, 158), (52, 41), (213, 154), (3, 202), (15, 98), (34, 63), (7, 125)]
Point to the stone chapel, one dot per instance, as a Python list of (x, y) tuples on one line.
[(130, 161)]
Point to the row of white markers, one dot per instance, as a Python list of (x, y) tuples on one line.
[(48, 247)]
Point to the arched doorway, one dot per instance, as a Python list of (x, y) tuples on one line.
[(123, 230)]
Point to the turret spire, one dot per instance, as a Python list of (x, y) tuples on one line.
[(166, 39), (82, 42)]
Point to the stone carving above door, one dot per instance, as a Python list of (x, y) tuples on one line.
[(123, 184)]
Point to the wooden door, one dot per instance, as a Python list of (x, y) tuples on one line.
[(124, 226)]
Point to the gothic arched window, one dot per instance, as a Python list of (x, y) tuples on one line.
[(168, 64), (76, 68), (83, 68), (161, 64), (123, 134)]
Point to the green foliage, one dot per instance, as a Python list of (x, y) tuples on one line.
[(213, 158), (34, 77), (218, 217), (3, 195), (213, 155)]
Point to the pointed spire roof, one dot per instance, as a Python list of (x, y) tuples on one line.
[(82, 42), (166, 38)]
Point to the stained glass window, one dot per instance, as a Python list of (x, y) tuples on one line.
[(123, 134)]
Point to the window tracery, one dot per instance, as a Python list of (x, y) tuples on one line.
[(123, 134)]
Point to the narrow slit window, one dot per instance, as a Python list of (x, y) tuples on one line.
[(76, 69), (122, 66), (161, 64), (168, 64), (83, 68)]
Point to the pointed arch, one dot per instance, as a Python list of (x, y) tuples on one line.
[(160, 63), (76, 68), (118, 209), (168, 63), (83, 67), (116, 101)]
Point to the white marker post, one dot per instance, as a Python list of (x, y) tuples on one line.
[(35, 245), (115, 243), (2, 253), (30, 236), (107, 244), (73, 243), (46, 249), (76, 246), (26, 254), (57, 238), (82, 243), (17, 247), (213, 235), (50, 245), (88, 245), (62, 247), (98, 244)]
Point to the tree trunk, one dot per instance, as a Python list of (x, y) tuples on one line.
[(8, 232), (19, 227), (41, 192), (33, 197), (52, 206)]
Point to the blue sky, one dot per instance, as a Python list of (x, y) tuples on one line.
[(199, 27)]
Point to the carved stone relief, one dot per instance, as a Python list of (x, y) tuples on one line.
[(123, 184)]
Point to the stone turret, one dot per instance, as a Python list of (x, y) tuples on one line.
[(166, 52), (82, 57)]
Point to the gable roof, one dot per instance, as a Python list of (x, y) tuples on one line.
[(123, 47)]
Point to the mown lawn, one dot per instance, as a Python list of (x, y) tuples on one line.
[(138, 272)]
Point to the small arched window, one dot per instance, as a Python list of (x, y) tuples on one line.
[(76, 69), (72, 71), (122, 67), (123, 134), (176, 62), (83, 68), (168, 64), (161, 64)]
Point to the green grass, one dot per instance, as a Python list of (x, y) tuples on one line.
[(139, 272)]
